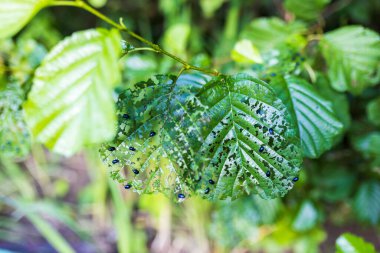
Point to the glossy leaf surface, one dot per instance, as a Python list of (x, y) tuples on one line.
[(70, 104), (14, 14), (317, 122), (352, 54)]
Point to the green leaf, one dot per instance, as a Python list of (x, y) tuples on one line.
[(352, 54), (307, 217), (317, 122), (373, 111), (245, 52), (247, 132), (157, 135), (137, 68), (269, 33), (349, 243), (70, 104), (307, 10), (14, 135), (339, 100), (210, 6), (367, 202), (331, 181), (15, 14), (176, 38), (238, 221), (279, 45), (230, 129), (368, 144)]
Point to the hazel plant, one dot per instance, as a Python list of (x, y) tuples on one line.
[(202, 132)]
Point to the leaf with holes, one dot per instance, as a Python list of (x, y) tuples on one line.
[(352, 54), (70, 104), (14, 14), (250, 145), (224, 138), (317, 122), (157, 136)]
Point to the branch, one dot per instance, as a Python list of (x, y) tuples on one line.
[(82, 5)]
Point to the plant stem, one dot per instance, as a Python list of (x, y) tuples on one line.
[(82, 5), (137, 49)]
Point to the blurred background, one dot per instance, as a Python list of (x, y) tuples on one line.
[(54, 204)]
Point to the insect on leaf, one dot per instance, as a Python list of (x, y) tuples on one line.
[(251, 144), (157, 136), (223, 137)]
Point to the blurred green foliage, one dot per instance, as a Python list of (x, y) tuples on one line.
[(51, 204)]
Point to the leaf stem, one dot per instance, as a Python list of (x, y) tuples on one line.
[(82, 5)]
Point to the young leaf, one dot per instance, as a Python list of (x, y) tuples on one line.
[(15, 14), (157, 135), (269, 33), (352, 54), (316, 119), (176, 38), (70, 104), (349, 243), (367, 202), (14, 135), (245, 52), (250, 145), (210, 6), (307, 10)]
